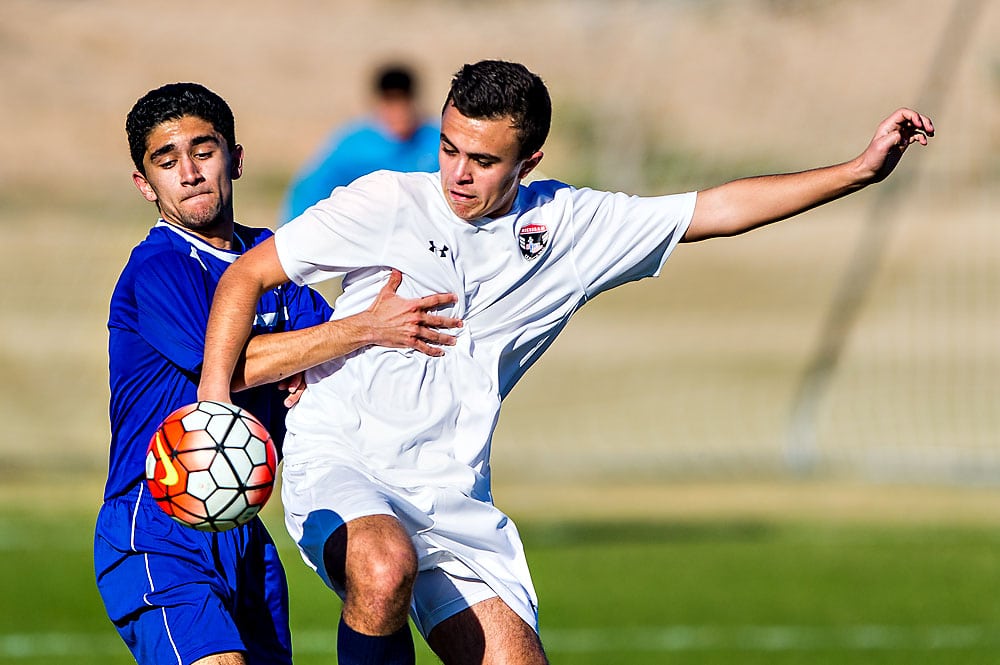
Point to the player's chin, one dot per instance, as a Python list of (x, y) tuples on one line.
[(200, 216), (465, 214), (465, 207)]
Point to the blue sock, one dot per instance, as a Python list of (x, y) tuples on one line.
[(354, 648)]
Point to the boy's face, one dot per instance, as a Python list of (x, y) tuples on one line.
[(190, 173), (480, 168)]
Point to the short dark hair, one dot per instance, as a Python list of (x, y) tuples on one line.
[(171, 102), (395, 79), (494, 89)]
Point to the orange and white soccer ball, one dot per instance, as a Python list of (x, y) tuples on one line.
[(211, 466)]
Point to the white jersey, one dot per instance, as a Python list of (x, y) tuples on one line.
[(419, 423)]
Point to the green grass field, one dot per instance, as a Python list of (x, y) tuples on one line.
[(636, 592)]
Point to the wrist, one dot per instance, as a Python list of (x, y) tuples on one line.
[(213, 390), (858, 174), (359, 328)]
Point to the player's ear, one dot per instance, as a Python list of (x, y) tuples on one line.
[(144, 187), (236, 167), (529, 164)]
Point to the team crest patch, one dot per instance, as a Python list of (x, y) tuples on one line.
[(532, 239)]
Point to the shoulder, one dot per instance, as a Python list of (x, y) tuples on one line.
[(429, 132), (378, 195), (357, 132), (385, 182), (368, 201), (252, 236), (343, 139), (159, 249), (158, 272), (350, 129), (171, 257), (539, 193)]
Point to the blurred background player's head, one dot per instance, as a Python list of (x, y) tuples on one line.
[(395, 88)]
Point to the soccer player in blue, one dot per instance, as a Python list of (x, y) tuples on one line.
[(177, 595)]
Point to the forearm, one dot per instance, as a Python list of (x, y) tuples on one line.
[(271, 358), (229, 325), (746, 204), (742, 205)]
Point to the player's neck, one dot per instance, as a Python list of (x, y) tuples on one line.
[(219, 233)]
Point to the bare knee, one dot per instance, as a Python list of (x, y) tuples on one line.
[(382, 568), (374, 560)]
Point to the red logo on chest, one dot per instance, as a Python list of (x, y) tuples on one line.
[(532, 239)]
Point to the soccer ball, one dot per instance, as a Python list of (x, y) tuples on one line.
[(211, 466)]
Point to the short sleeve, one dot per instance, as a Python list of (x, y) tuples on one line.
[(346, 231), (620, 238)]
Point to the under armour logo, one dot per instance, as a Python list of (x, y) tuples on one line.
[(442, 251)]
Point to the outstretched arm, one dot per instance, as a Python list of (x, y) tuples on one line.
[(390, 321), (748, 203)]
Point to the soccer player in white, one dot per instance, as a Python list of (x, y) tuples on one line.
[(387, 476)]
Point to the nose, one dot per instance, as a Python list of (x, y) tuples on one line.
[(461, 174), (189, 171)]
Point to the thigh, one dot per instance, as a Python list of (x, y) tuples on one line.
[(262, 599), (159, 586), (171, 591), (439, 594), (488, 633), (321, 498)]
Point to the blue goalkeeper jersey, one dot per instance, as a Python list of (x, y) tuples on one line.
[(158, 315)]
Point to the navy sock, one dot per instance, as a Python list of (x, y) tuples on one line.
[(354, 648)]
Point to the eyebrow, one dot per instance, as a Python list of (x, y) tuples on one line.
[(478, 156), (170, 147)]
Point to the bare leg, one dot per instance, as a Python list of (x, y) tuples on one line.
[(488, 633), (373, 559)]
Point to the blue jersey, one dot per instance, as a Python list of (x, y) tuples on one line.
[(159, 312), (358, 149)]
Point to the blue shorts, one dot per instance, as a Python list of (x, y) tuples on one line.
[(177, 594)]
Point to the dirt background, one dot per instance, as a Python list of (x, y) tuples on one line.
[(671, 398)]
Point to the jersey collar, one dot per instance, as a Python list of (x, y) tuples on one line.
[(202, 246)]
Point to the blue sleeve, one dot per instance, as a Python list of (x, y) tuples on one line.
[(173, 296)]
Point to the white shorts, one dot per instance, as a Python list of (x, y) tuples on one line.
[(467, 550)]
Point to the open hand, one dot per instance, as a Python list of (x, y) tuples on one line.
[(404, 323)]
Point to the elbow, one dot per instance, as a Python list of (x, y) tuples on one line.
[(718, 224)]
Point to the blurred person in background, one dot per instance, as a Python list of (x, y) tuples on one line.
[(394, 136)]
